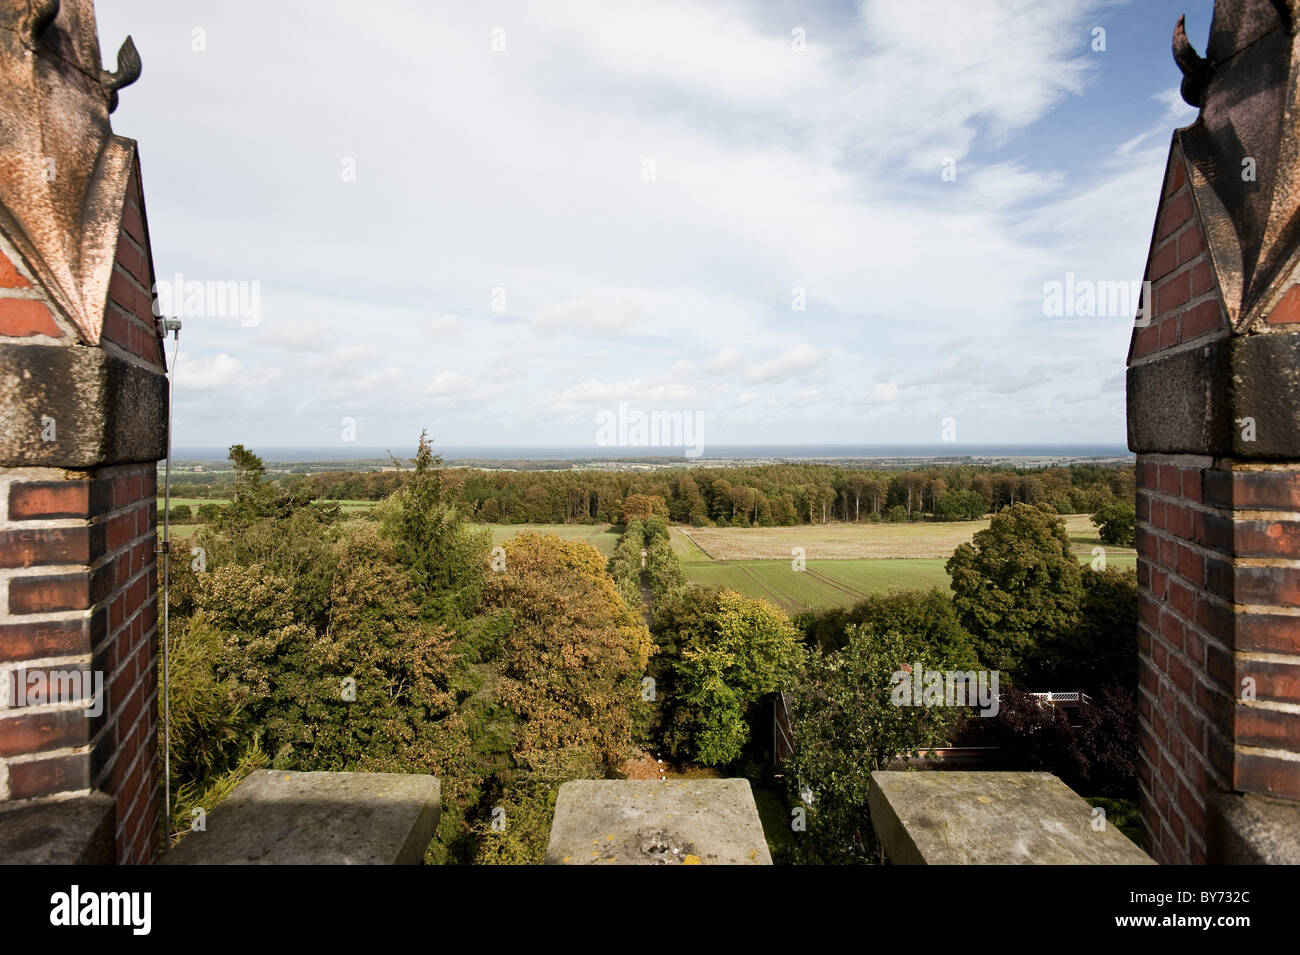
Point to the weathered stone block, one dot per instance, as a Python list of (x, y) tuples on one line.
[(290, 818), (103, 410), (1246, 829), (59, 832), (657, 822), (992, 818)]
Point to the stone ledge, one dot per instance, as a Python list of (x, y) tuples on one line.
[(60, 832), (1246, 829), (1191, 401), (291, 818), (657, 822), (105, 410), (990, 818)]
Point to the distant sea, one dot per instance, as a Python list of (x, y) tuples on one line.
[(717, 452)]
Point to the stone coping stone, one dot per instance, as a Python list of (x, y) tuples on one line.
[(77, 831), (990, 818), (290, 818), (657, 822), (1249, 829)]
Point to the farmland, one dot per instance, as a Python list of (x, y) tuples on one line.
[(843, 562), (845, 541), (603, 537), (194, 503)]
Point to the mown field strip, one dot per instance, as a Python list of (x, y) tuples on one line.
[(922, 539)]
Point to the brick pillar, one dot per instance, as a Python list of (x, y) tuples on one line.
[(84, 414), (1214, 416)]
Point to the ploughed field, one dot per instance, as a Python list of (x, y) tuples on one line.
[(923, 539)]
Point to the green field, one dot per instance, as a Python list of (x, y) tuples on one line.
[(189, 530), (844, 581), (348, 507), (823, 583), (181, 530), (601, 536), (830, 583)]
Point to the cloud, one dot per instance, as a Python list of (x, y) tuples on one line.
[(208, 373), (522, 172), (795, 363), (595, 314)]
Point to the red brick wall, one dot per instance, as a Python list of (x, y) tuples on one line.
[(1219, 572), (24, 311), (1181, 706), (77, 549), (1187, 305), (129, 321), (78, 578)]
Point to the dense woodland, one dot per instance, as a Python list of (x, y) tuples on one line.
[(767, 495), (399, 640)]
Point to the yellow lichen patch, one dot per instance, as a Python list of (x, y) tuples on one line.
[(691, 860), (984, 799)]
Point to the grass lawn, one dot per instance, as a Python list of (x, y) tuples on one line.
[(603, 537)]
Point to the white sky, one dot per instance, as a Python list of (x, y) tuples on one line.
[(522, 170)]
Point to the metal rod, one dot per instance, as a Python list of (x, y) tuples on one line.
[(174, 326)]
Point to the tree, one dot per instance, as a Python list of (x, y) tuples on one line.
[(638, 507), (719, 653), (575, 654), (845, 725), (925, 616), (1016, 584), (1098, 756), (250, 473), (1100, 647), (444, 556), (398, 669), (1116, 523), (960, 505)]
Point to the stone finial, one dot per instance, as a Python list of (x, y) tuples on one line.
[(1243, 151), (1196, 71), (63, 172), (127, 72)]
